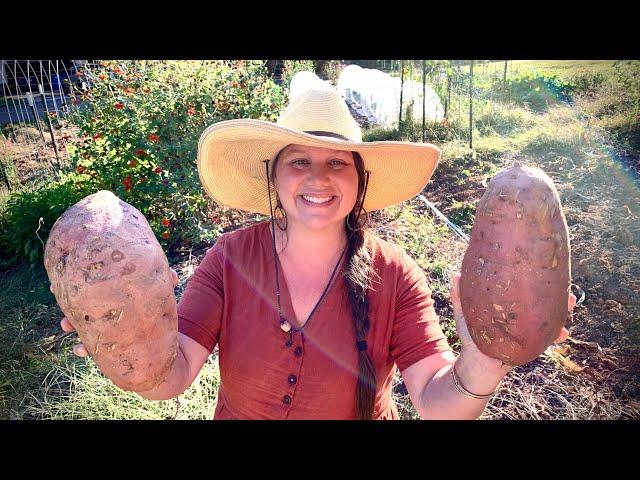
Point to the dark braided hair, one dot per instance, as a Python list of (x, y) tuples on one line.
[(356, 278)]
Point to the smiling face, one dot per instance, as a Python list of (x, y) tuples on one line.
[(317, 187)]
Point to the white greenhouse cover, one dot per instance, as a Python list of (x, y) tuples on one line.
[(374, 94), (377, 94)]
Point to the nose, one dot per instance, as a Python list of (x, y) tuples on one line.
[(320, 174)]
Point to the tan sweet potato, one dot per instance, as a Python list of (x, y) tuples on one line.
[(516, 272), (112, 280)]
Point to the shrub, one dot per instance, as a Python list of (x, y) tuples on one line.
[(28, 216), (8, 173), (586, 83), (535, 90)]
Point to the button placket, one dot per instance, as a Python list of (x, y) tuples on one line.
[(296, 363)]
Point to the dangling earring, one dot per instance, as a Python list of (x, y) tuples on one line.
[(360, 208), (349, 227), (283, 215), (358, 221)]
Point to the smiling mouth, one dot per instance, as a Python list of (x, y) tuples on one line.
[(318, 200)]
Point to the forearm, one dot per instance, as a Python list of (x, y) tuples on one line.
[(442, 400), (174, 384)]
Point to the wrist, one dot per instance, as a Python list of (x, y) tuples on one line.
[(476, 375), (173, 384)]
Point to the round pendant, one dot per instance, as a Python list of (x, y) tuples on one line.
[(285, 326)]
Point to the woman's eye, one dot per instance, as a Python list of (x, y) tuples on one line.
[(300, 161), (337, 163)]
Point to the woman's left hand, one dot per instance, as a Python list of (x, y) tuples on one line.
[(469, 346)]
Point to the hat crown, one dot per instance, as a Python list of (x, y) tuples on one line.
[(320, 110)]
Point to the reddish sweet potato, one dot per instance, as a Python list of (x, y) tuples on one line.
[(516, 272), (112, 280)]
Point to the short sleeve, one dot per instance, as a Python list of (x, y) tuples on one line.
[(202, 304), (416, 331)]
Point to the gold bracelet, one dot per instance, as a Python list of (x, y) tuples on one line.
[(464, 391)]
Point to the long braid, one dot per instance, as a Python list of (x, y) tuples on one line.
[(356, 279)]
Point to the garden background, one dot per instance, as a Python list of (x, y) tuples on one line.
[(132, 127)]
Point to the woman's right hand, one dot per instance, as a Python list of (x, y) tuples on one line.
[(79, 349)]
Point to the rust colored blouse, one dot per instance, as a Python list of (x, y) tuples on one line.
[(230, 301)]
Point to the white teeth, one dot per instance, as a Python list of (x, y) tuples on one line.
[(317, 199)]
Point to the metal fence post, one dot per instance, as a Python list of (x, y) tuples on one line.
[(53, 137), (35, 115)]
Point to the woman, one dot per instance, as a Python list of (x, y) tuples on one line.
[(312, 314)]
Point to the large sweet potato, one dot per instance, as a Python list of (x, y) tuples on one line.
[(516, 272), (112, 280)]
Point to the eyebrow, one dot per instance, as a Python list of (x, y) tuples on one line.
[(299, 151)]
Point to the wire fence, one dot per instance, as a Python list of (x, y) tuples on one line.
[(37, 97), (469, 90), (35, 92)]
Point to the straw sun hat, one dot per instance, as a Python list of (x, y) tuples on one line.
[(232, 153)]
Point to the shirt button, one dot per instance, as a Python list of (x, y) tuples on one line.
[(298, 351), (286, 399), (292, 379)]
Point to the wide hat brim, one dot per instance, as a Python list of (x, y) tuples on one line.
[(232, 154)]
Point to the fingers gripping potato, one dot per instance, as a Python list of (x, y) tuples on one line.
[(516, 272), (112, 280)]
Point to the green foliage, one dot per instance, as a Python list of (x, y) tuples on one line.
[(614, 104), (142, 127), (624, 131), (8, 174), (537, 91), (28, 216), (503, 121), (330, 69), (140, 124), (462, 214), (29, 313), (628, 75), (411, 131), (563, 69), (381, 134), (562, 134), (586, 83), (291, 67)]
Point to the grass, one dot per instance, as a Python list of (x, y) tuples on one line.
[(78, 390), (563, 69), (40, 378), (504, 122), (28, 312)]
